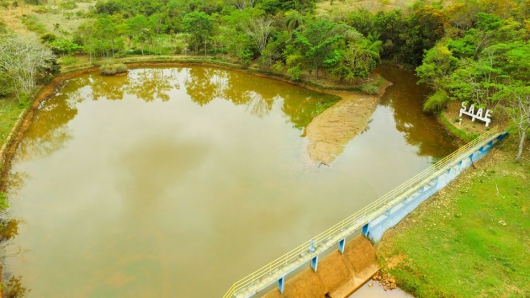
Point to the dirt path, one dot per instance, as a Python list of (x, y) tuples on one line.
[(330, 131)]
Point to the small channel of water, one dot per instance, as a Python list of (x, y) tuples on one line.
[(176, 182)]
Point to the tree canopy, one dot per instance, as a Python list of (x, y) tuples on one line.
[(23, 58)]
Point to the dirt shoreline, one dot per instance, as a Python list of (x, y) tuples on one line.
[(24, 120)]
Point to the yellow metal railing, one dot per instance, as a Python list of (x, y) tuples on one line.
[(354, 221)]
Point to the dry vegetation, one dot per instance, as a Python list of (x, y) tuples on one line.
[(12, 16), (67, 19), (339, 9)]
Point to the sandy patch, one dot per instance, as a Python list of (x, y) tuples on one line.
[(330, 131)]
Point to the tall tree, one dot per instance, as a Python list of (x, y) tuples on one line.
[(23, 58), (200, 27), (107, 36), (259, 30), (139, 30), (517, 105), (316, 42), (293, 20), (357, 60)]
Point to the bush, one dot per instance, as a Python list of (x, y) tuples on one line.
[(369, 89), (295, 73), (41, 9), (113, 69), (245, 57), (68, 5), (436, 102), (32, 23), (3, 201), (277, 67), (67, 60)]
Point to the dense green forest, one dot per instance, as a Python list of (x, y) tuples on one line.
[(473, 50)]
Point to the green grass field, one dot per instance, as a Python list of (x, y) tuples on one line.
[(472, 239)]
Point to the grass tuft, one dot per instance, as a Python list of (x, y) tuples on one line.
[(467, 137), (113, 69)]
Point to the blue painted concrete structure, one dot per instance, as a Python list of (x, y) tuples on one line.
[(281, 284), (342, 244), (376, 227), (373, 219)]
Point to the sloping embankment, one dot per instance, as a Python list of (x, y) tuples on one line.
[(330, 131), (337, 275)]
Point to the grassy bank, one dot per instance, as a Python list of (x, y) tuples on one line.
[(467, 137), (10, 110), (472, 239)]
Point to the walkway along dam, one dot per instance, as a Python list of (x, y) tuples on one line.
[(353, 263)]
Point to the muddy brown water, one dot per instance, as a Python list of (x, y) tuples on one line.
[(177, 182)]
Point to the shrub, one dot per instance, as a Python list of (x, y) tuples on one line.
[(436, 102), (245, 57), (113, 69), (295, 73), (369, 89), (32, 23), (277, 67), (68, 5), (41, 9), (68, 60), (3, 201)]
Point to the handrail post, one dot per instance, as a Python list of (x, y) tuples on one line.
[(342, 243), (281, 284), (314, 263)]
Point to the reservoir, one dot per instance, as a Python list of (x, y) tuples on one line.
[(177, 182)]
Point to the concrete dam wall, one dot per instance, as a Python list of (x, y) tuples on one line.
[(341, 272), (337, 275)]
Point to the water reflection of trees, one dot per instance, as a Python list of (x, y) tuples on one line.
[(50, 131), (145, 84), (204, 84), (258, 105), (151, 84), (420, 129), (14, 287), (259, 95), (110, 88)]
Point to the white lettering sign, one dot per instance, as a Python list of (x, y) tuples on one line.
[(478, 115)]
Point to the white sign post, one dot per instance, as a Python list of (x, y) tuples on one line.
[(477, 115)]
